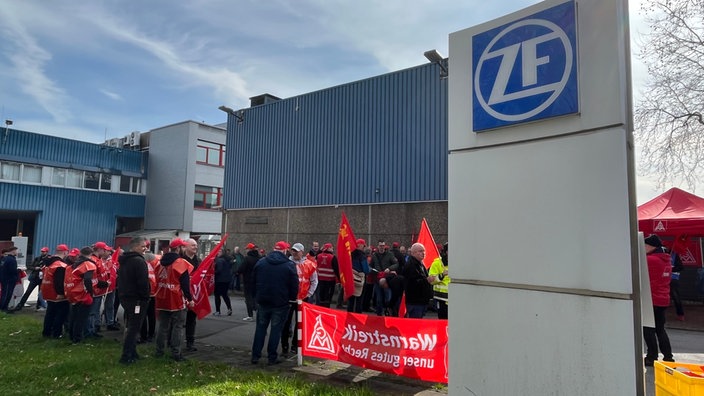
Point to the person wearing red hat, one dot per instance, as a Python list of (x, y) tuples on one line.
[(35, 279), (52, 289), (250, 260), (360, 268), (78, 288), (275, 285), (173, 297), (72, 255), (100, 280), (328, 274)]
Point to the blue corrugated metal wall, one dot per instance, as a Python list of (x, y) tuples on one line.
[(379, 140), (47, 150), (74, 217)]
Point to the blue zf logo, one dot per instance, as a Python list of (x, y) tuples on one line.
[(526, 70)]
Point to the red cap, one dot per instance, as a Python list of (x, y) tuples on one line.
[(74, 252), (45, 249), (395, 244), (251, 246), (176, 242), (281, 245), (362, 241), (61, 248), (327, 246), (101, 245)]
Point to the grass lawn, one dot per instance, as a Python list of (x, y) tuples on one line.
[(33, 365)]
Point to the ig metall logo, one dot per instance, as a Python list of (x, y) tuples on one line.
[(526, 70)]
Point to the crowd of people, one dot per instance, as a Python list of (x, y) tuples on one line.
[(82, 289)]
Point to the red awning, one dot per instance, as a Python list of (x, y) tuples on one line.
[(673, 213)]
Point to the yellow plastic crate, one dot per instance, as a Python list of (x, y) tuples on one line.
[(672, 379)]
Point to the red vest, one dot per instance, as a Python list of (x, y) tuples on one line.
[(48, 290), (305, 270), (325, 271), (74, 288), (169, 296), (102, 273)]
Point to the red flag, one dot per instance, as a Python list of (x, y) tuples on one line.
[(431, 249), (345, 244), (431, 253), (203, 282), (116, 254)]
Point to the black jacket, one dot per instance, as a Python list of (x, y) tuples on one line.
[(248, 266), (275, 281), (418, 290), (134, 277)]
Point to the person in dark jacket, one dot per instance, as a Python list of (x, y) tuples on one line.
[(8, 276), (223, 277), (53, 288), (418, 287), (34, 277), (246, 270), (134, 295), (659, 269), (275, 286)]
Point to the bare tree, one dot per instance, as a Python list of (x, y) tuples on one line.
[(668, 119)]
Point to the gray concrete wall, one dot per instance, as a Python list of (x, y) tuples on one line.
[(391, 222)]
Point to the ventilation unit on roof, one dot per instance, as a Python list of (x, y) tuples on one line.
[(133, 139)]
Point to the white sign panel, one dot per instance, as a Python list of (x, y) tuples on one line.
[(542, 205)]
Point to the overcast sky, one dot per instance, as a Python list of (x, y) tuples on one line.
[(92, 70)]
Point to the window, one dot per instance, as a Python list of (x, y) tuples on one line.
[(136, 184), (105, 181), (91, 180), (125, 183), (74, 178), (207, 197), (9, 171), (31, 174), (59, 177), (130, 184), (210, 153)]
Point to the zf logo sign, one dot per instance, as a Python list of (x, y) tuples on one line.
[(526, 70)]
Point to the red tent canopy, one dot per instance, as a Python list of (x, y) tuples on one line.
[(673, 213)]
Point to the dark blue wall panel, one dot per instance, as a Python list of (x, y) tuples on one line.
[(74, 217), (34, 148), (379, 140)]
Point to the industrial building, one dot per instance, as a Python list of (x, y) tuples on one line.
[(375, 149), (55, 190)]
